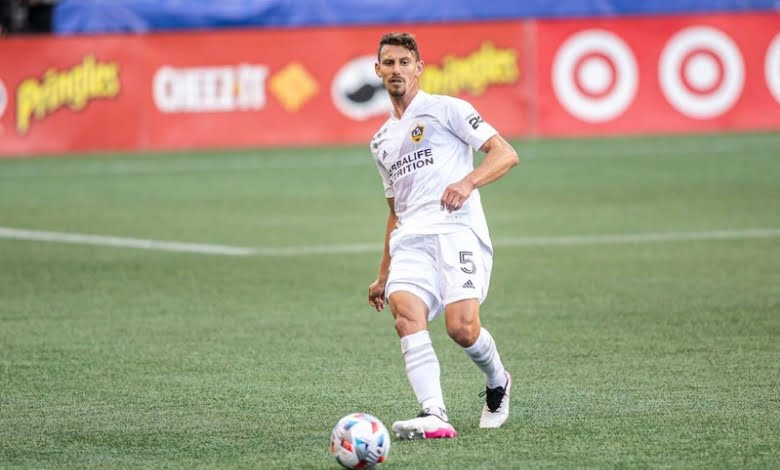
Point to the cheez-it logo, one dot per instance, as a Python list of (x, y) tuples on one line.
[(417, 133), (73, 87)]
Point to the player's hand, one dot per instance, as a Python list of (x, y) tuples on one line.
[(376, 294), (455, 195)]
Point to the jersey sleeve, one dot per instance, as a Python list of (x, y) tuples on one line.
[(466, 123), (382, 172)]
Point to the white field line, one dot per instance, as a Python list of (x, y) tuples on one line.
[(616, 239), (121, 242), (305, 250)]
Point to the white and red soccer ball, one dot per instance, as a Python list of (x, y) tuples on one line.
[(359, 441)]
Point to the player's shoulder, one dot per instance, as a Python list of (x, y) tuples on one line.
[(444, 104), (383, 128), (380, 134)]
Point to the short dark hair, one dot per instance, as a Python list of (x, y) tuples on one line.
[(399, 39)]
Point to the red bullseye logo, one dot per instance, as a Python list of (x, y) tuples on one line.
[(772, 68), (701, 72), (594, 75)]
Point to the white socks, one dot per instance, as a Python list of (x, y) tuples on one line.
[(484, 354), (422, 366), (422, 369)]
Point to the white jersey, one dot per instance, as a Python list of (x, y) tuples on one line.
[(425, 151)]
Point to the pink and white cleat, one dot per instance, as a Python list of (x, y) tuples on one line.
[(427, 425)]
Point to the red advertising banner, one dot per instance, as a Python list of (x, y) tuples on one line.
[(68, 94), (671, 74), (317, 86), (240, 89)]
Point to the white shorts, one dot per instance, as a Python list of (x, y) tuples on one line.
[(440, 268)]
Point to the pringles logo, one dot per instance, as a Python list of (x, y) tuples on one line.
[(74, 87), (473, 73)]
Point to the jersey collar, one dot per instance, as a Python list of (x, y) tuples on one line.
[(419, 99)]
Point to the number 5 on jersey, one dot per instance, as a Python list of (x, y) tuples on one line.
[(468, 264)]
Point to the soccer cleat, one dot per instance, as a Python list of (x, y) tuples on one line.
[(426, 425), (496, 409)]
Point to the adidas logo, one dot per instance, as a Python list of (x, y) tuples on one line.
[(468, 284)]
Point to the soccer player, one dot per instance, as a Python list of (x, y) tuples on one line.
[(437, 252)]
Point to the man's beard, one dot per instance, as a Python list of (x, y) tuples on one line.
[(396, 90)]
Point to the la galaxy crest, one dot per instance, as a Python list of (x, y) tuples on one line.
[(418, 133)]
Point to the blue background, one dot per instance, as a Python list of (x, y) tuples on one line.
[(106, 16)]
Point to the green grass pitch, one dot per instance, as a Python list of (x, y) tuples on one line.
[(626, 354)]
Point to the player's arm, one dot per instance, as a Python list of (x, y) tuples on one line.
[(500, 157), (376, 290)]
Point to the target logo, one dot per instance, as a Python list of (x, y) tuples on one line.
[(594, 75), (701, 72), (772, 67)]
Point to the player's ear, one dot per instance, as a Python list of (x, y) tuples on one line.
[(376, 69), (420, 67)]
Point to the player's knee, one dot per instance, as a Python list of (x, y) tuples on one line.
[(465, 333), (405, 325), (410, 314)]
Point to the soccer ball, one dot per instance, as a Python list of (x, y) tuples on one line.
[(359, 440)]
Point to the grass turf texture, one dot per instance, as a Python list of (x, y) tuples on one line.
[(624, 355)]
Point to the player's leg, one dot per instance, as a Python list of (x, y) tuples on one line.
[(466, 274), (463, 326), (422, 366), (411, 294)]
